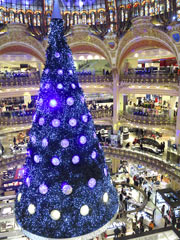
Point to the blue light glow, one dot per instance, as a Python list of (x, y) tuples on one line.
[(70, 101), (55, 122), (43, 189), (60, 86), (93, 154), (53, 103), (84, 118), (60, 71), (36, 158), (41, 121), (72, 122), (83, 140), (75, 159), (65, 143), (44, 142), (55, 161), (92, 182)]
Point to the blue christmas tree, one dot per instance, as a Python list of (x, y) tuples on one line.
[(67, 191)]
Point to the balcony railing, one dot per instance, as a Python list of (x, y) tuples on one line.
[(149, 78), (143, 158), (148, 120), (25, 117), (157, 163), (101, 114), (34, 80)]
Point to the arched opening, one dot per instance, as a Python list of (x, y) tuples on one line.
[(143, 44)]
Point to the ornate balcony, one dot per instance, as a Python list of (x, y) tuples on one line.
[(157, 78), (156, 163), (153, 162), (25, 117), (148, 120), (34, 80)]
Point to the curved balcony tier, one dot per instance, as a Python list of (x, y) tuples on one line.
[(25, 117), (148, 120), (149, 78), (153, 162), (34, 80)]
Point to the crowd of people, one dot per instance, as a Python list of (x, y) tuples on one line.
[(17, 110), (93, 106), (18, 74), (139, 224), (152, 70)]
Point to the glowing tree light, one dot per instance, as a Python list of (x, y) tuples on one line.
[(67, 191)]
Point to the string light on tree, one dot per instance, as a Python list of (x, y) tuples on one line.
[(53, 103), (60, 86)]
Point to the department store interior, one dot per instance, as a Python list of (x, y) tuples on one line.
[(127, 58)]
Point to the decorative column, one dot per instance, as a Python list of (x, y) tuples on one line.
[(115, 99), (39, 67)]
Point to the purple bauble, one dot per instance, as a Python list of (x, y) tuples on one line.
[(55, 161), (92, 182), (66, 189), (75, 159), (41, 121), (60, 71), (60, 86), (57, 55), (43, 189), (44, 142), (82, 140), (73, 85), (53, 103), (55, 122), (93, 154), (65, 143), (36, 158), (72, 122), (84, 118), (28, 181), (70, 101)]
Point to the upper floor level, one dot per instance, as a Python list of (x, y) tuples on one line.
[(101, 15)]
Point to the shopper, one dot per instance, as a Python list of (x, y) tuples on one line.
[(124, 229), (141, 220), (165, 221), (151, 226), (125, 204), (173, 220), (120, 197), (128, 180), (117, 232), (162, 210), (149, 195), (14, 140), (141, 228)]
